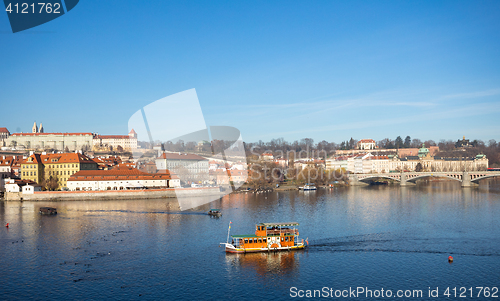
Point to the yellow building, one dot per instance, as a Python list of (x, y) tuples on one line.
[(41, 167)]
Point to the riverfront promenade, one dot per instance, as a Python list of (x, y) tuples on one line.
[(467, 178)]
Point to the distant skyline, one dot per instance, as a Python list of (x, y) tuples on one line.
[(327, 70)]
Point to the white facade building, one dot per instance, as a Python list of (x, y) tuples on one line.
[(120, 179)]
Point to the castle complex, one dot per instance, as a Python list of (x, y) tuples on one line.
[(39, 140)]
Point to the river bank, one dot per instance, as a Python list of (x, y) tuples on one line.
[(111, 194)]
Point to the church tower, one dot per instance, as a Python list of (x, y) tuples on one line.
[(40, 129), (34, 129)]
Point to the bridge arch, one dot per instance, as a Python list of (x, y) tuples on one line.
[(476, 180), (414, 179), (379, 177)]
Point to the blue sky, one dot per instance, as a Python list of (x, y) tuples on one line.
[(327, 70)]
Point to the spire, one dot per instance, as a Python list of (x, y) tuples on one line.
[(40, 129), (34, 128)]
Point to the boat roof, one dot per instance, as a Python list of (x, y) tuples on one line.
[(245, 236), (214, 209), (278, 224)]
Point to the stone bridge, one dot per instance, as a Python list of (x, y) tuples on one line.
[(467, 178)]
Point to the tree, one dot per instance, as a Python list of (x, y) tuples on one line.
[(119, 149), (399, 142), (352, 143), (407, 142), (419, 167), (53, 183), (416, 143)]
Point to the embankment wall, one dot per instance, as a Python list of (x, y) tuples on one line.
[(110, 194)]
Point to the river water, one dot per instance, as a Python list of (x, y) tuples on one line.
[(375, 238)]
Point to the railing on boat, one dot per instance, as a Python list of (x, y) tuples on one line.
[(278, 232)]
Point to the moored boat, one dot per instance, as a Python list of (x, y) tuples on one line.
[(215, 212), (48, 210), (308, 186), (268, 237)]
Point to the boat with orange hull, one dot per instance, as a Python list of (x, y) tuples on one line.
[(268, 237)]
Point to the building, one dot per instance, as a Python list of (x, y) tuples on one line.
[(36, 129), (114, 142), (463, 143), (24, 186), (7, 166), (224, 177), (405, 152), (40, 168), (4, 135), (369, 163), (367, 144), (187, 166), (51, 141), (39, 140), (267, 157), (120, 179)]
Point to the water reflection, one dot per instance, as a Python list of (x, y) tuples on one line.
[(264, 263)]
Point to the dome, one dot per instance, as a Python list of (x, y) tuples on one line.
[(422, 152)]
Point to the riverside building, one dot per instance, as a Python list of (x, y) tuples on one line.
[(120, 179), (41, 167), (369, 163)]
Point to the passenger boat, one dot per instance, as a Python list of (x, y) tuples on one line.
[(215, 212), (268, 237), (308, 186), (48, 210)]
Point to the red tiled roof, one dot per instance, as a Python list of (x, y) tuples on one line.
[(177, 156), (25, 182), (119, 174), (61, 158), (114, 137), (366, 141), (4, 130)]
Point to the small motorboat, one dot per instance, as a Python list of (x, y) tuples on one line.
[(308, 186), (215, 212), (48, 210)]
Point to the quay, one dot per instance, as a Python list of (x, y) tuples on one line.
[(111, 194)]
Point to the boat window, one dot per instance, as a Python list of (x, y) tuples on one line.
[(260, 240), (255, 240), (282, 238), (246, 241), (286, 238), (264, 239)]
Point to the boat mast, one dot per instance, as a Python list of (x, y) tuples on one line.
[(227, 240)]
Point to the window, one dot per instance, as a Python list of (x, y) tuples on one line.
[(264, 239), (255, 240), (260, 240), (246, 241), (286, 238), (282, 238), (31, 173)]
